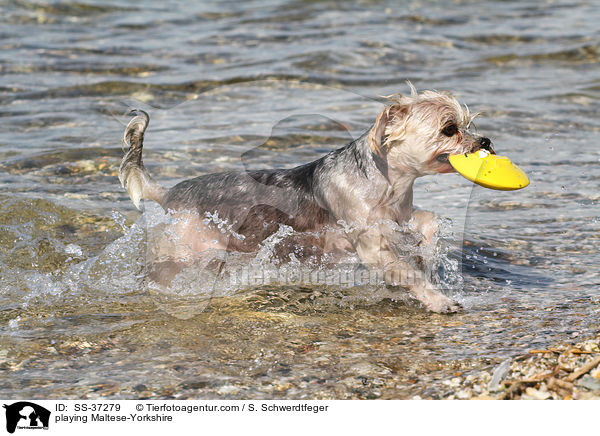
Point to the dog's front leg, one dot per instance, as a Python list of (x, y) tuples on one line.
[(374, 249), (426, 224)]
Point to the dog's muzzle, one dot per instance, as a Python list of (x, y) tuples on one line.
[(483, 144)]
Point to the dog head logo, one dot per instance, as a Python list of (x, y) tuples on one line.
[(26, 415)]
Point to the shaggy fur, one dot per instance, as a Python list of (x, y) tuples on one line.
[(366, 184)]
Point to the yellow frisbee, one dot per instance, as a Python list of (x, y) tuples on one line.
[(489, 170)]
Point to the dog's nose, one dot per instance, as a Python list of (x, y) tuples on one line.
[(486, 144)]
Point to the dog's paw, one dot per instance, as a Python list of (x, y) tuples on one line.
[(434, 300), (443, 305)]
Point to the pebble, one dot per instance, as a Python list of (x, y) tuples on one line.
[(14, 323), (228, 389), (464, 395), (367, 368), (454, 383), (589, 382), (283, 387), (536, 394), (499, 374), (74, 250)]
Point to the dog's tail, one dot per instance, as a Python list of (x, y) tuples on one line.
[(132, 173)]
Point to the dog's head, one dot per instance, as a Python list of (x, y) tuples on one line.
[(417, 133)]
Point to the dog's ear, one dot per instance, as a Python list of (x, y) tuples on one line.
[(376, 138)]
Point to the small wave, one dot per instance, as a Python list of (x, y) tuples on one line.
[(123, 267)]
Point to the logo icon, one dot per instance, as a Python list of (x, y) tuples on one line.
[(26, 415)]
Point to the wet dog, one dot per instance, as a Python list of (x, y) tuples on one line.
[(367, 185)]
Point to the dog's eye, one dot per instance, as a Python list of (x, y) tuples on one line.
[(450, 130)]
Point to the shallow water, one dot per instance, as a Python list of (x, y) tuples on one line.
[(254, 84)]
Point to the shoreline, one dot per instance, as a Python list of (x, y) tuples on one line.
[(563, 372)]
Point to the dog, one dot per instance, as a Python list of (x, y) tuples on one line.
[(367, 185)]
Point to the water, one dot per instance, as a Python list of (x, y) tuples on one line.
[(267, 84)]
